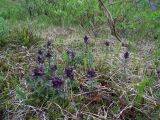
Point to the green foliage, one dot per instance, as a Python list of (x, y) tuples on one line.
[(35, 7), (41, 89), (139, 22), (12, 10), (66, 58), (146, 82), (20, 93), (7, 86), (65, 12), (157, 54), (4, 31), (24, 35)]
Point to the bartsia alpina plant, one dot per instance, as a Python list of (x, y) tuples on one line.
[(91, 73), (40, 60), (38, 71), (49, 44), (71, 53), (107, 43), (48, 54), (57, 82), (69, 72), (40, 52), (86, 40), (126, 55)]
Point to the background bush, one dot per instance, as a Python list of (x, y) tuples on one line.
[(139, 20)]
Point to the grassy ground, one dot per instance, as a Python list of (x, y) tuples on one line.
[(109, 81), (113, 96)]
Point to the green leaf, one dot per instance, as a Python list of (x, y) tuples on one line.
[(20, 93), (1, 78), (66, 58)]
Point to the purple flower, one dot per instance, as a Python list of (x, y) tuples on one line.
[(48, 55), (53, 68), (40, 52), (86, 40), (71, 53), (39, 71), (107, 43), (40, 60), (126, 55), (69, 72), (57, 82), (91, 73), (48, 44)]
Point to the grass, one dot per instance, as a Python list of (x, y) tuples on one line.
[(110, 89), (106, 85)]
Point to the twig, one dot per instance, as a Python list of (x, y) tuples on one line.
[(110, 21), (121, 112)]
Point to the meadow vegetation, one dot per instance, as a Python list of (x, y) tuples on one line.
[(79, 60)]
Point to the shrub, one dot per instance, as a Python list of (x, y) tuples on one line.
[(139, 22)]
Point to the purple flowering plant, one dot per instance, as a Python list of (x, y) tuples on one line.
[(69, 57), (69, 72), (44, 80)]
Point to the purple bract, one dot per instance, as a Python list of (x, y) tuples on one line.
[(57, 82), (69, 72), (71, 53), (48, 54), (40, 60), (107, 43), (126, 55), (39, 71), (40, 52), (91, 73), (86, 40)]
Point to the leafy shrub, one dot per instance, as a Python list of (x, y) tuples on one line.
[(35, 7), (139, 20), (65, 12)]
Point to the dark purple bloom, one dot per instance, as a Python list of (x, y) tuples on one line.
[(53, 68), (91, 73), (69, 72), (71, 53), (48, 44), (57, 82), (48, 55), (86, 40), (126, 55), (40, 52), (40, 60), (39, 71), (107, 43)]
